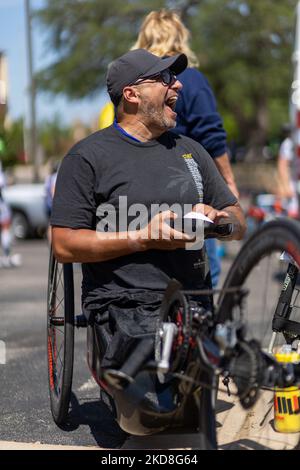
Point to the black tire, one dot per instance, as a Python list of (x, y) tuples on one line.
[(258, 268), (60, 337), (270, 241), (207, 414), (20, 225), (175, 309)]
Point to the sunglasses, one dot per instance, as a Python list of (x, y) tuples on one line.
[(166, 76)]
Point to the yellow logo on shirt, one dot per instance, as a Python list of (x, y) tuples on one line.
[(187, 155)]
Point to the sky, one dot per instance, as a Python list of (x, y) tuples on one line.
[(13, 43)]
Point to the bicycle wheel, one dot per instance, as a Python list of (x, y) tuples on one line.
[(60, 337), (176, 309), (261, 268)]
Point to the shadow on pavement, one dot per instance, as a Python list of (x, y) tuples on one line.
[(244, 444), (108, 435), (100, 420), (223, 405)]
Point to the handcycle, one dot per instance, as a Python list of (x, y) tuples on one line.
[(171, 379)]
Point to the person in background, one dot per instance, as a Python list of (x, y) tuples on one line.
[(164, 34), (107, 115), (287, 174), (8, 260)]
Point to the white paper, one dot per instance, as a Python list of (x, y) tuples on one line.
[(198, 216)]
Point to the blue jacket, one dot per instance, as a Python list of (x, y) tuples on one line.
[(197, 115)]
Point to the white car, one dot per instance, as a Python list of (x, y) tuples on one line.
[(27, 202)]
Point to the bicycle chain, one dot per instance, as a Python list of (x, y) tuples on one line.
[(246, 369)]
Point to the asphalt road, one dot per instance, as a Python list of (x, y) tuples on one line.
[(24, 403)]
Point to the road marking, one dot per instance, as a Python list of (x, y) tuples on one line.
[(2, 353)]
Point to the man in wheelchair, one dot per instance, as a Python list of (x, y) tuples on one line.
[(121, 195)]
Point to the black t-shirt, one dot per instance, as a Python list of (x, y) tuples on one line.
[(108, 165)]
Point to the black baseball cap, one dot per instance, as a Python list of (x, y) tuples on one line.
[(137, 64)]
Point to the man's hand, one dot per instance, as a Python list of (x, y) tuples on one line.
[(159, 235), (231, 214), (213, 214)]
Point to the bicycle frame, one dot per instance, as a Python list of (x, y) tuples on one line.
[(281, 321), (156, 397), (145, 405)]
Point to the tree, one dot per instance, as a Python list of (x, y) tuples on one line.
[(244, 47), (55, 137), (87, 35), (12, 143)]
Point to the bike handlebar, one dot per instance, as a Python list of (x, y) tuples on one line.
[(217, 230), (211, 230)]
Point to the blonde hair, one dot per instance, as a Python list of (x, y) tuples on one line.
[(164, 34)]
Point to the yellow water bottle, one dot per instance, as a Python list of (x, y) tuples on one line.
[(287, 400)]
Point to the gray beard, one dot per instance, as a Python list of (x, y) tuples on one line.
[(156, 118)]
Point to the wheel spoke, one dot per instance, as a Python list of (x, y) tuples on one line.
[(60, 338)]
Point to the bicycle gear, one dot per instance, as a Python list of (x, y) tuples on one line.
[(246, 370)]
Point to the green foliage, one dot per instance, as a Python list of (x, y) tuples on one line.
[(55, 137), (12, 143), (88, 35), (2, 146), (244, 47), (245, 50)]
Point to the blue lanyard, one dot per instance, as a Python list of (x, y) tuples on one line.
[(120, 129)]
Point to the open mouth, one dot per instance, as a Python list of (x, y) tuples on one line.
[(171, 102)]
